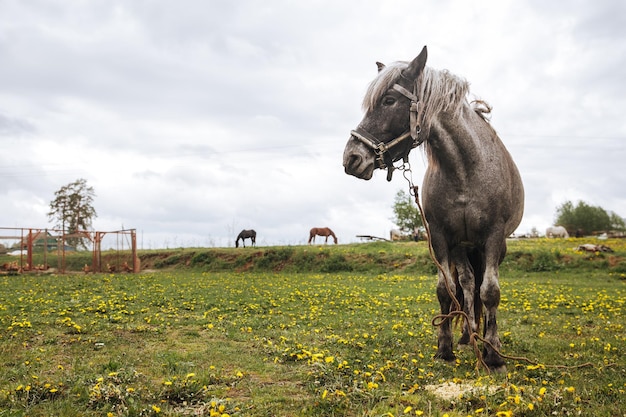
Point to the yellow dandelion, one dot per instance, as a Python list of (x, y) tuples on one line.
[(372, 385)]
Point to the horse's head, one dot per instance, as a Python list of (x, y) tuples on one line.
[(390, 127)]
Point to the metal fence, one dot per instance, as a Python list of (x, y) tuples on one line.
[(37, 249)]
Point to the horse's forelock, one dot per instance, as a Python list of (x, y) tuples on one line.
[(386, 78)]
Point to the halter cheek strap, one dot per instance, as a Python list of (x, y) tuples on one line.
[(414, 112)]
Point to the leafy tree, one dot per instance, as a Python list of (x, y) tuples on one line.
[(586, 218), (72, 209), (406, 214), (617, 222)]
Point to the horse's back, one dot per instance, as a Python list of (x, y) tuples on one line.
[(247, 233)]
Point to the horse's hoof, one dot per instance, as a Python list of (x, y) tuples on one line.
[(446, 357), (501, 369)]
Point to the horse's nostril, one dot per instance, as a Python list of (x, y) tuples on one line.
[(354, 160)]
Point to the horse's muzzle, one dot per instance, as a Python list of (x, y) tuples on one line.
[(358, 160)]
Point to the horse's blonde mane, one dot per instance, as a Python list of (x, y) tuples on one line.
[(440, 90)]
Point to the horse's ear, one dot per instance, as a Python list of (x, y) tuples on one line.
[(417, 65), (380, 66)]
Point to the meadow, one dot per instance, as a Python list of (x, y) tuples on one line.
[(253, 333)]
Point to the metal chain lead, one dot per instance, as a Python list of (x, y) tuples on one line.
[(408, 175)]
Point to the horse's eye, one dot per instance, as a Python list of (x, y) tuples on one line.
[(389, 101)]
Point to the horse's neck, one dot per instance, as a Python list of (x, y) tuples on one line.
[(457, 142)]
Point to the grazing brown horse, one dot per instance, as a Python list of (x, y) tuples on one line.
[(473, 196), (246, 234), (321, 231)]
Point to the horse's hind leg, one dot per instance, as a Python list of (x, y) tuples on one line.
[(470, 278), (467, 283)]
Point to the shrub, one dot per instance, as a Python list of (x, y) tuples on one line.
[(544, 261), (273, 259), (335, 263)]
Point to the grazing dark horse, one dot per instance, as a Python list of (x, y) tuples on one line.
[(246, 234), (321, 231), (473, 196)]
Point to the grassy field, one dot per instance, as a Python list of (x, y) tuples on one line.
[(310, 331)]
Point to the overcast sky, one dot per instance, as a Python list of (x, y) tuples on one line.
[(193, 120)]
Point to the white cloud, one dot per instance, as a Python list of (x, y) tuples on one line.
[(194, 120)]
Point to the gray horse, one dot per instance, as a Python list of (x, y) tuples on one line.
[(473, 196)]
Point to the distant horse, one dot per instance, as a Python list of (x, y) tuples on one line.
[(395, 234), (557, 231), (321, 231), (246, 234), (472, 192)]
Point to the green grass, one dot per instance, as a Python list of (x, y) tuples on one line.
[(274, 342)]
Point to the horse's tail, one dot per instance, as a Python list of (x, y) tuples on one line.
[(312, 234), (476, 259)]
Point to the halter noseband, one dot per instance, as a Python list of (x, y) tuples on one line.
[(381, 149)]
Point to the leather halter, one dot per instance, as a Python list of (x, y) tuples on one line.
[(382, 149)]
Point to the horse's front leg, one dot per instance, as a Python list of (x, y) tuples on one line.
[(444, 334), (490, 296)]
